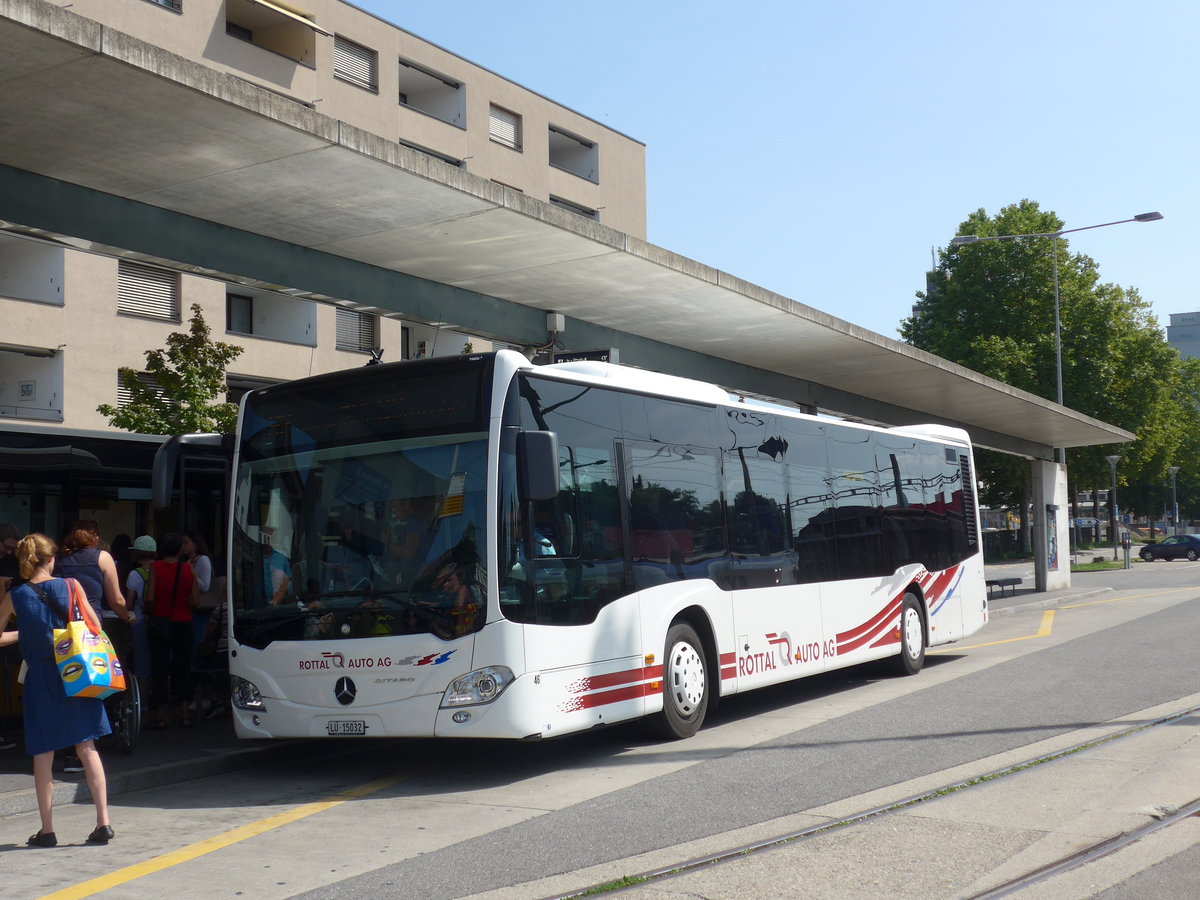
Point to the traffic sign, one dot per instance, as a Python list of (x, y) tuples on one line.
[(1086, 522)]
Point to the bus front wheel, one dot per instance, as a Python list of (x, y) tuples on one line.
[(685, 684), (912, 637)]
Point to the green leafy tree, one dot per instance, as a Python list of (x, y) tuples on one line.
[(188, 378), (990, 306)]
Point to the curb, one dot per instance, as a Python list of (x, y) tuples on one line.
[(1048, 603)]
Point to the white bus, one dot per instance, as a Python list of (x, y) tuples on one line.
[(478, 547)]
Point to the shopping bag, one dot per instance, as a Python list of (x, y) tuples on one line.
[(83, 653)]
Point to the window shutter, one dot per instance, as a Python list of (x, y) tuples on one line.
[(505, 127), (125, 396), (355, 63), (145, 291), (355, 330)]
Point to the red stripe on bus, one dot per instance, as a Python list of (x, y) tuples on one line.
[(943, 581), (604, 698), (889, 637), (613, 679), (860, 635)]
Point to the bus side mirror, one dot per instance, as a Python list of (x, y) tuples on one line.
[(537, 464), (171, 451)]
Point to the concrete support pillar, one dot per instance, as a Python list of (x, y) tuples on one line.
[(1051, 520)]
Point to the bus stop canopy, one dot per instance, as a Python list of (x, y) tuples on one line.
[(121, 147)]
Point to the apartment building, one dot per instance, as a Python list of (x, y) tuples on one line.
[(1183, 333), (70, 318)]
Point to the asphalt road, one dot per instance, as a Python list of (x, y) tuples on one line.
[(447, 820)]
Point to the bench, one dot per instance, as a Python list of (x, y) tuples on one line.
[(1002, 585)]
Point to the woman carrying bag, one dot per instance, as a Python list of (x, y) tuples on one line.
[(52, 719), (171, 595)]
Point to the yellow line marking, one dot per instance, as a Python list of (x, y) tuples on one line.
[(1134, 597), (1045, 629), (219, 841)]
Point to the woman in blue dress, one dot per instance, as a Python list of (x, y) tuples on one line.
[(52, 719)]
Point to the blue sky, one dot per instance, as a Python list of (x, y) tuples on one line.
[(822, 149)]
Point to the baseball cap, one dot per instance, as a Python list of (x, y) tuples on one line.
[(146, 544)]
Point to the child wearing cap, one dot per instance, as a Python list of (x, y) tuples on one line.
[(143, 552)]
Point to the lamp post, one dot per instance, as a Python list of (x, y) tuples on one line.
[(1174, 470), (974, 238), (1112, 502)]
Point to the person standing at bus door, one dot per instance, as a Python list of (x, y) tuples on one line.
[(195, 553), (81, 558), (170, 596), (211, 665), (143, 552), (52, 719)]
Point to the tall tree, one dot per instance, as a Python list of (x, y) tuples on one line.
[(990, 306), (185, 381)]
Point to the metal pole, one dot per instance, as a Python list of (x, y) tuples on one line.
[(1112, 504), (1174, 470), (1062, 451)]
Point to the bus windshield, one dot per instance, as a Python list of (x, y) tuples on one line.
[(366, 534)]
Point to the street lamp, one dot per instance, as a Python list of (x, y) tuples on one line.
[(974, 238), (1174, 470), (1112, 502)]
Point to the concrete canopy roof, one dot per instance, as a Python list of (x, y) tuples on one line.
[(92, 107)]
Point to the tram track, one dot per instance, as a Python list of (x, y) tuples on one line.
[(1041, 873)]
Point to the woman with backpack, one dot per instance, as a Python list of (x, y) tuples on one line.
[(143, 552)]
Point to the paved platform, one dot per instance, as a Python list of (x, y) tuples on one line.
[(161, 757), (1162, 765), (209, 747)]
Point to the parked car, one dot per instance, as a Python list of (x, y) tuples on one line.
[(1179, 546)]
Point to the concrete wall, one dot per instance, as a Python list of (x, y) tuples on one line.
[(1051, 539), (92, 341)]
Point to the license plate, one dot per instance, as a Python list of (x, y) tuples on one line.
[(346, 726)]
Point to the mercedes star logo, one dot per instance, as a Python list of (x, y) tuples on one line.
[(344, 691)]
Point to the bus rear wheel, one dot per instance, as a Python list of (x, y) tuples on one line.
[(912, 637), (685, 684)]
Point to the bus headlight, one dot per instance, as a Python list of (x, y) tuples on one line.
[(478, 687), (245, 694)]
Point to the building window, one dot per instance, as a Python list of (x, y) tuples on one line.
[(574, 154), (586, 212), (125, 396), (355, 63), (357, 330), (146, 291), (432, 94), (505, 127), (176, 5), (239, 313), (275, 26)]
